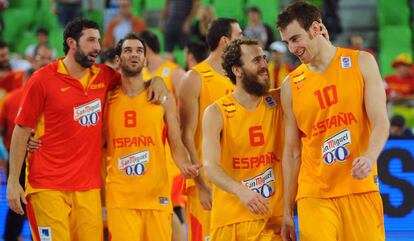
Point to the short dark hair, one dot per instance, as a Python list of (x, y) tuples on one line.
[(300, 11), (108, 55), (198, 49), (219, 28), (36, 50), (254, 9), (232, 56), (3, 44), (42, 31), (74, 30), (130, 36), (151, 40)]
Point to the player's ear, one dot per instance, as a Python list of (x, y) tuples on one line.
[(315, 28), (237, 71)]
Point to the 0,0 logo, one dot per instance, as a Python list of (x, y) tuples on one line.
[(340, 153), (135, 170), (265, 190), (88, 120)]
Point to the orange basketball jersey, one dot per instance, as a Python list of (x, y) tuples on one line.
[(251, 153), (136, 165), (165, 72), (330, 113)]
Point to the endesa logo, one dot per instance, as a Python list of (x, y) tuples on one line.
[(262, 183), (87, 114), (334, 148), (134, 164)]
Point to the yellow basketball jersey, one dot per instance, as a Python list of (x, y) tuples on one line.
[(136, 165), (213, 87), (165, 72), (251, 153), (330, 113)]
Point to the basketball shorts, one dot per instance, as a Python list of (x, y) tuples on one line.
[(65, 215), (258, 230), (348, 218), (139, 224), (197, 217)]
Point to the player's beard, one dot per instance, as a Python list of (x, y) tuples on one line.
[(129, 71), (252, 85), (82, 59)]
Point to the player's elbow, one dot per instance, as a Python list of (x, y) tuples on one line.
[(208, 168)]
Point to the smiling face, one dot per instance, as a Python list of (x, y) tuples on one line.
[(132, 57), (254, 71), (88, 47), (299, 41)]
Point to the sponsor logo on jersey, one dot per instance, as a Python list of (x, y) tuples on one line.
[(87, 114), (270, 101), (134, 164), (45, 233), (254, 161), (163, 200), (165, 72), (334, 148), (346, 62), (262, 183)]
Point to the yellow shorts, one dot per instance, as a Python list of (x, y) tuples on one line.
[(139, 225), (348, 218), (258, 230), (65, 216), (197, 217)]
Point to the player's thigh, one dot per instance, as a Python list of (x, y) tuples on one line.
[(86, 216), (318, 219), (363, 217), (48, 213), (125, 224), (157, 225)]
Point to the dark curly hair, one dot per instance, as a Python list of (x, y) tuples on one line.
[(300, 11), (232, 56)]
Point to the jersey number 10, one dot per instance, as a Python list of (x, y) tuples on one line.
[(327, 97)]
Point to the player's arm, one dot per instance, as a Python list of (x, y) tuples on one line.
[(176, 77), (212, 127), (188, 101), (157, 90), (291, 161), (15, 192), (375, 105), (178, 150)]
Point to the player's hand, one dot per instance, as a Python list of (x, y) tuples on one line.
[(15, 193), (33, 144), (204, 194), (288, 229), (157, 91), (254, 201), (361, 167), (190, 170)]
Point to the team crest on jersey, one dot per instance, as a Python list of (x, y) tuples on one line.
[(270, 101), (45, 233), (346, 62), (262, 183), (298, 80), (134, 164), (165, 72), (87, 114), (334, 148), (229, 109)]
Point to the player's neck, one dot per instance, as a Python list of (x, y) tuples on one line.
[(248, 101), (133, 85), (74, 68), (154, 61), (323, 59), (214, 60)]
